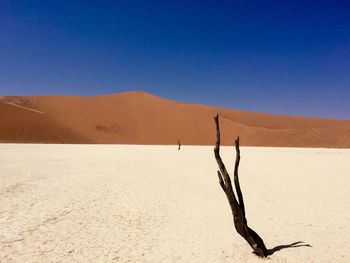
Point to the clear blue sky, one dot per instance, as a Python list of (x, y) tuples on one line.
[(287, 57)]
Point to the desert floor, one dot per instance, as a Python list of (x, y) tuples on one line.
[(118, 203)]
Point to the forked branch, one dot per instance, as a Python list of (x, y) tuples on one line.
[(237, 207)]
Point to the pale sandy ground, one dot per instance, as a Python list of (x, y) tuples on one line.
[(109, 203)]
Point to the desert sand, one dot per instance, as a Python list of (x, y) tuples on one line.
[(141, 118), (119, 203), (22, 124)]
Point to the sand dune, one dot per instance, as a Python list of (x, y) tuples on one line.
[(141, 118), (23, 107), (19, 124), (154, 204)]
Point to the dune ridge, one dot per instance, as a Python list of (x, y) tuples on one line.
[(141, 118)]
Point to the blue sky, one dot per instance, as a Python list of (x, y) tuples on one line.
[(284, 57)]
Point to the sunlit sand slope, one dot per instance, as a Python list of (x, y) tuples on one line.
[(22, 124), (141, 118)]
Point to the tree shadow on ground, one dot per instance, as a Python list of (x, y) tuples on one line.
[(292, 245)]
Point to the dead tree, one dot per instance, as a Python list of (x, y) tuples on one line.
[(237, 207), (179, 143)]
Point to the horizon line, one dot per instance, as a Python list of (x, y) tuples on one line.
[(166, 98)]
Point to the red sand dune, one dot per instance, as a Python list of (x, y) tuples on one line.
[(141, 118), (21, 125)]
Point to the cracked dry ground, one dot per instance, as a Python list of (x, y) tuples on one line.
[(66, 204), (155, 204)]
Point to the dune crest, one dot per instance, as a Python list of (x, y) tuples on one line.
[(141, 118)]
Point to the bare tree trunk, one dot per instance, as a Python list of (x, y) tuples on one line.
[(237, 207), (179, 143)]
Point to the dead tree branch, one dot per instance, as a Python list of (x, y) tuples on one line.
[(237, 207)]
